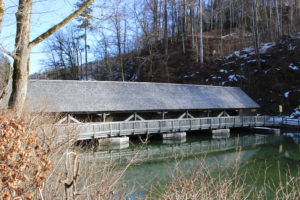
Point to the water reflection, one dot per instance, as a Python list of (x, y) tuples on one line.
[(294, 136), (174, 141), (179, 148)]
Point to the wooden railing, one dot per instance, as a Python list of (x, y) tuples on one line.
[(111, 129)]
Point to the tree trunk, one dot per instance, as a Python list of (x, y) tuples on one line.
[(192, 23), (22, 55), (256, 33), (85, 54), (23, 49), (200, 33), (212, 15), (1, 13), (155, 20), (278, 24), (183, 26), (166, 35), (230, 17)]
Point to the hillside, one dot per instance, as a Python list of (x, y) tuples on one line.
[(271, 79)]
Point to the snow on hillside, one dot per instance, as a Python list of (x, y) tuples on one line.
[(271, 78)]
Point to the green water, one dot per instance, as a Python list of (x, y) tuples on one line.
[(257, 163)]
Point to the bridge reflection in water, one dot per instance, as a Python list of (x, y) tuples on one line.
[(150, 153)]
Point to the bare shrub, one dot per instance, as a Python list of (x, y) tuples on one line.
[(204, 183), (221, 182)]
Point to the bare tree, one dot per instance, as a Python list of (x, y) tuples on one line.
[(1, 13), (201, 32), (117, 20), (66, 56), (166, 35), (85, 23), (23, 47)]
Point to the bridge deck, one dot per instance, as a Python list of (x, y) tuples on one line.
[(112, 129)]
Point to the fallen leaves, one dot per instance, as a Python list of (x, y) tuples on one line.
[(24, 165)]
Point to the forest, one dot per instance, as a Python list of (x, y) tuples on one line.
[(219, 42)]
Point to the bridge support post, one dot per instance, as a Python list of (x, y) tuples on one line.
[(113, 143), (220, 133), (174, 138)]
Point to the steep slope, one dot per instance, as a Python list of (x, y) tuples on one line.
[(272, 78)]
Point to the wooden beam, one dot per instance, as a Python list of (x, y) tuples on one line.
[(103, 115), (68, 118), (139, 117), (74, 120), (189, 115), (129, 118), (134, 116), (182, 116), (223, 114), (62, 120)]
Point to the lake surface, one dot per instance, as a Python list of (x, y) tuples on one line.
[(261, 157), (262, 162)]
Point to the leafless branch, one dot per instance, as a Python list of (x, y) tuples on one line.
[(53, 29)]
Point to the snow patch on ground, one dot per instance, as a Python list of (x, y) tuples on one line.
[(190, 75), (235, 77), (296, 113), (293, 67), (297, 36), (286, 94), (237, 53), (215, 77), (255, 60), (291, 47), (264, 47), (226, 36), (270, 69), (248, 50), (224, 71), (230, 63)]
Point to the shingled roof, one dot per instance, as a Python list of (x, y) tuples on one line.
[(108, 96)]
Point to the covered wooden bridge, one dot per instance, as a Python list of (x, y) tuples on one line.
[(127, 101), (99, 109)]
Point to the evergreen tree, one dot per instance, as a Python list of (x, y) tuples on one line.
[(85, 24)]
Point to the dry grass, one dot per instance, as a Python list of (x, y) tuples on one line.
[(222, 183), (75, 177), (34, 164), (205, 183)]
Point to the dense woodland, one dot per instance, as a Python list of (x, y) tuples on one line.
[(136, 40), (184, 41)]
